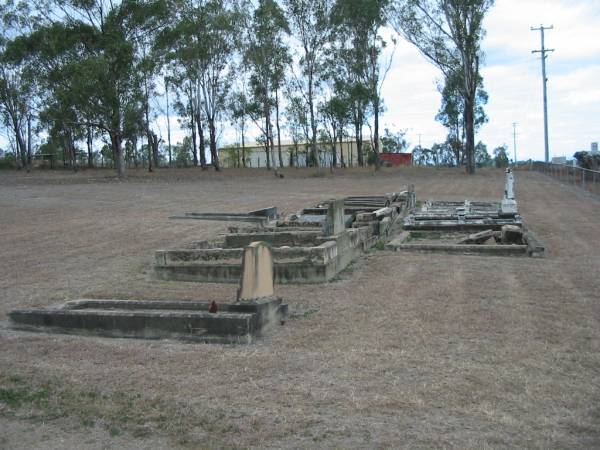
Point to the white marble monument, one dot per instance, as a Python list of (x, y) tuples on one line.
[(508, 206)]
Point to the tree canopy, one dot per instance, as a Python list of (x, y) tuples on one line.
[(98, 73)]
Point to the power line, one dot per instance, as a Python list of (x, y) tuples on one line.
[(543, 51)]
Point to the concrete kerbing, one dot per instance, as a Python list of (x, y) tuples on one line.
[(187, 321), (535, 247), (498, 250), (317, 263)]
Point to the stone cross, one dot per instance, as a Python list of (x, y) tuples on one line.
[(257, 272), (334, 223)]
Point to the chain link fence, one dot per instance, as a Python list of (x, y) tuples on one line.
[(586, 179)]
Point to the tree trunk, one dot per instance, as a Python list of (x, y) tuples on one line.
[(115, 140), (333, 149), (134, 151), (278, 128), (267, 116), (89, 148), (470, 134), (192, 115), (21, 147), (149, 148), (201, 139), (148, 132), (376, 131), (313, 123), (214, 154), (243, 146), (342, 162), (168, 123), (155, 143), (359, 149), (28, 143), (155, 155), (351, 156)]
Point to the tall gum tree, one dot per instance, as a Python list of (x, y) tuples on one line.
[(358, 25), (449, 34), (311, 26), (267, 57), (89, 53)]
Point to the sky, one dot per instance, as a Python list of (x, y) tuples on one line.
[(512, 78)]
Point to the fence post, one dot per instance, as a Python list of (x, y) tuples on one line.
[(572, 178)]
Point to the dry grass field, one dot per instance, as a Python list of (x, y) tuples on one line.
[(401, 351)]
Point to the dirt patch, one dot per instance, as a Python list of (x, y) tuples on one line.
[(411, 350)]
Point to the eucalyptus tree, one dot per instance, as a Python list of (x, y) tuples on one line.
[(297, 122), (203, 40), (450, 113), (449, 34), (17, 85), (86, 59), (358, 26), (336, 113), (219, 28), (15, 94), (239, 106), (311, 26), (267, 57)]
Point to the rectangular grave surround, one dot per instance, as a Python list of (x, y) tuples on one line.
[(313, 259), (239, 322), (447, 241)]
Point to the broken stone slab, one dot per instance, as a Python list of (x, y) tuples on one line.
[(377, 214), (257, 272), (479, 238), (270, 212), (535, 248), (512, 235)]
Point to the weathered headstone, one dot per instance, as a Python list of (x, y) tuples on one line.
[(508, 206), (257, 272), (334, 223)]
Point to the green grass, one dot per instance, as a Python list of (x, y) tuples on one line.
[(117, 412), (16, 397), (379, 245)]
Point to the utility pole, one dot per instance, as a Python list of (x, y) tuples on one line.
[(515, 141), (543, 51)]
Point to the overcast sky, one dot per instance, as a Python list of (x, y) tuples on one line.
[(512, 77)]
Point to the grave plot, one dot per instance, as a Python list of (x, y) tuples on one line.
[(494, 228), (242, 321), (310, 246)]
